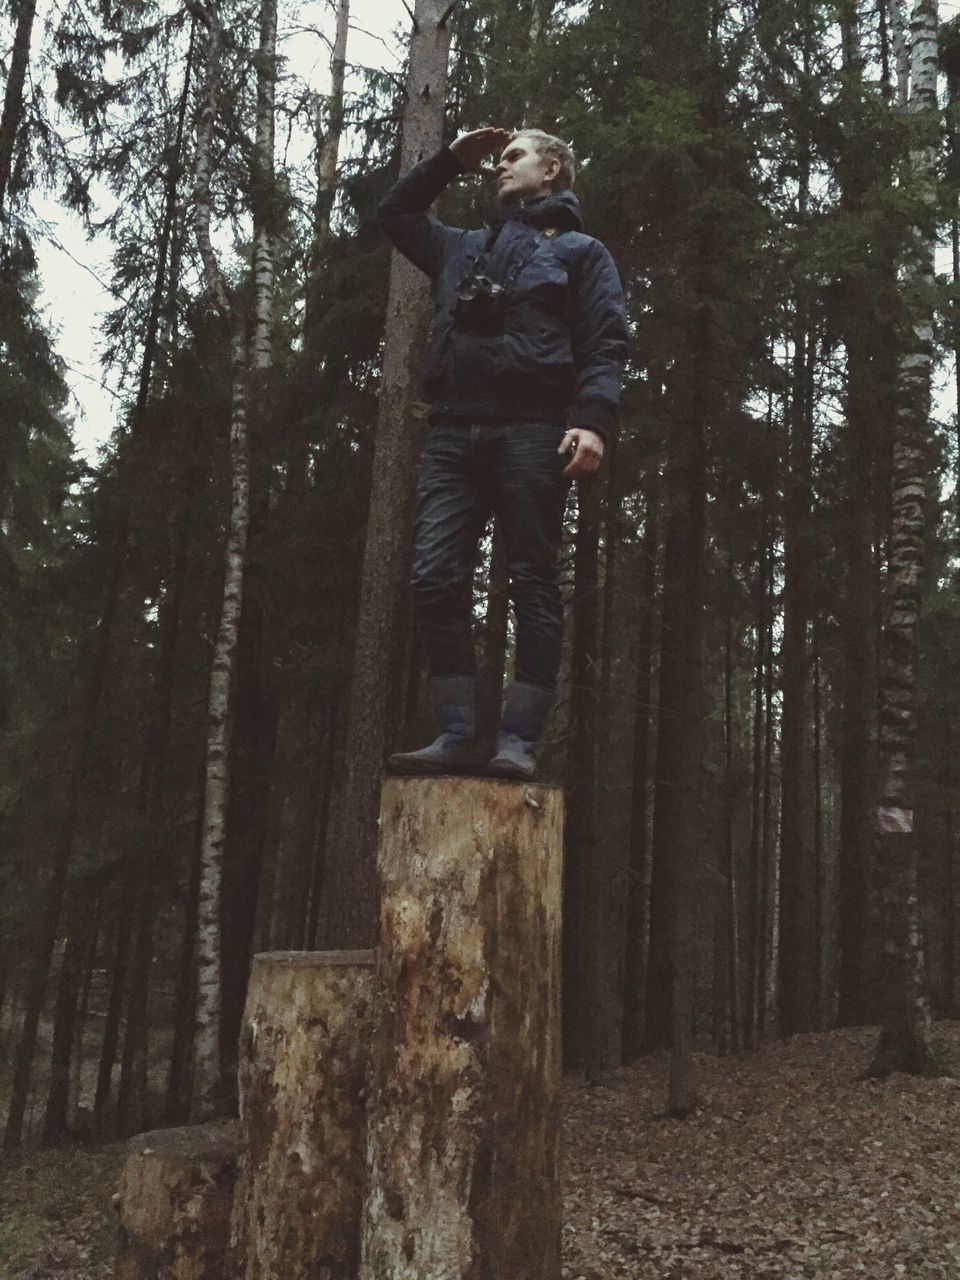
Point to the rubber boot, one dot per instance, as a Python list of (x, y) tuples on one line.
[(526, 710), (457, 750)]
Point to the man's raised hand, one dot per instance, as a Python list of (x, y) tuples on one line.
[(471, 149)]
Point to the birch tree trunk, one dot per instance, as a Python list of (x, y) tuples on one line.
[(904, 1043), (349, 915), (901, 48), (207, 1082), (253, 710)]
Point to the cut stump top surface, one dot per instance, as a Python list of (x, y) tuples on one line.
[(189, 1142), (315, 959)]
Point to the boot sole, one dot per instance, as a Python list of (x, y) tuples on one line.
[(503, 769), (421, 769)]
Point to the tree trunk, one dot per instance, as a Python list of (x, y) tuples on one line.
[(180, 1077), (731, 913), (302, 737), (208, 1083), (253, 741), (683, 627), (328, 132), (638, 888), (176, 1192), (901, 48), (349, 914), (797, 945), (466, 1062), (904, 1043), (769, 866), (819, 931), (321, 826), (304, 1055), (861, 442), (207, 1078), (756, 933), (111, 1026), (586, 873), (132, 1090), (55, 1123), (13, 97), (78, 1055), (676, 830)]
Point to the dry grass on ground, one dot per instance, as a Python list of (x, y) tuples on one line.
[(793, 1169)]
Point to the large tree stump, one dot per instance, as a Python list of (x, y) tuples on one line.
[(464, 1095), (176, 1190), (304, 1051)]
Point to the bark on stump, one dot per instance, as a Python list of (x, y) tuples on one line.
[(176, 1191), (304, 1052), (464, 1097)]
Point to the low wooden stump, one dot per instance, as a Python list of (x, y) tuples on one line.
[(176, 1192), (304, 1054), (464, 1096)]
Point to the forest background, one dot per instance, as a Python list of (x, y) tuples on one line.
[(207, 643)]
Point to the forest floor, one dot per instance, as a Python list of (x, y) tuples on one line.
[(792, 1168)]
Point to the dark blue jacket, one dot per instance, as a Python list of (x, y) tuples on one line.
[(561, 352)]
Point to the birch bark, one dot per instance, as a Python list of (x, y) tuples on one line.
[(208, 1091), (901, 48), (904, 1043)]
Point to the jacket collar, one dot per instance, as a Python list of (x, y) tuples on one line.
[(560, 209)]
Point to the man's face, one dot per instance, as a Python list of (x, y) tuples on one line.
[(522, 174)]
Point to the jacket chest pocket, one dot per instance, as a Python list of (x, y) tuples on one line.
[(543, 284)]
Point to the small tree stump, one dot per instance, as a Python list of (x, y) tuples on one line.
[(176, 1190), (304, 1051), (464, 1101)]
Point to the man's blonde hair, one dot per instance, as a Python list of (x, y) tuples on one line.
[(545, 144)]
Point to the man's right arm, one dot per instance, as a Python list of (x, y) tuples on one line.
[(403, 212)]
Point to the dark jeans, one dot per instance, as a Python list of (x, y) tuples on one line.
[(468, 470)]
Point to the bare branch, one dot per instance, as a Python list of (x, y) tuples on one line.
[(307, 29), (372, 35)]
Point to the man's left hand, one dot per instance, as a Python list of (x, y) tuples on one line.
[(587, 448)]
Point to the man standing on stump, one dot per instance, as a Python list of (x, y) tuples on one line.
[(522, 374)]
